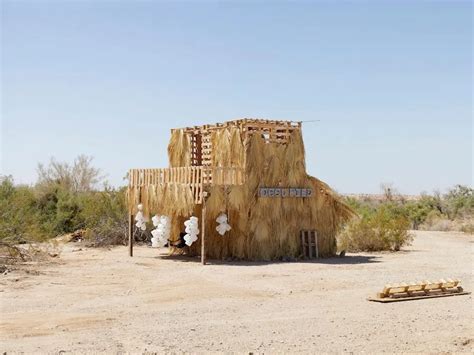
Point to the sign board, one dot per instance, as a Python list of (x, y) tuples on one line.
[(284, 192)]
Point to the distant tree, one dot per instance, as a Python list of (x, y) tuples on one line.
[(459, 200), (388, 190), (81, 176)]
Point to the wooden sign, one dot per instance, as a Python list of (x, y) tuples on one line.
[(284, 192)]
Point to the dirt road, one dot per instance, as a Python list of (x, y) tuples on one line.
[(94, 300)]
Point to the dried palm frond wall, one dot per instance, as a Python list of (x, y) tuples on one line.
[(268, 228), (263, 228), (179, 149)]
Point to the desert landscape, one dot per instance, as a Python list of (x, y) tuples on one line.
[(248, 177), (100, 300)]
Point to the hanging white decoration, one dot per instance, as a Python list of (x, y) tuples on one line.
[(162, 231), (140, 218), (223, 226), (192, 230), (155, 220)]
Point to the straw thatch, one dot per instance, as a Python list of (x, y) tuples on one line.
[(269, 228), (179, 152), (262, 228)]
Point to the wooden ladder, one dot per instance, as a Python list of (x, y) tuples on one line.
[(309, 244)]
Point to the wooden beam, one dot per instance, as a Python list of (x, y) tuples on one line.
[(130, 232), (316, 244), (203, 229)]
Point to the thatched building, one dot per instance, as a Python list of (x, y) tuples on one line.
[(252, 170)]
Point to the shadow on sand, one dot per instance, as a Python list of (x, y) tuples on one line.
[(346, 260)]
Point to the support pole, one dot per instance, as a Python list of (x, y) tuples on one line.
[(130, 233), (130, 223), (203, 229)]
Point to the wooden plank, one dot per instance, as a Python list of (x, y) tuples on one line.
[(201, 187), (302, 244), (310, 248), (203, 230), (316, 242), (412, 298), (130, 234)]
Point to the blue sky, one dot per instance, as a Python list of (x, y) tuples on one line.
[(390, 82)]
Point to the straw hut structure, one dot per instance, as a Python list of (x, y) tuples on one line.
[(253, 171)]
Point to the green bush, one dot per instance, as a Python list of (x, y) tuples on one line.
[(451, 211), (459, 201), (19, 222), (384, 229), (105, 216), (64, 200)]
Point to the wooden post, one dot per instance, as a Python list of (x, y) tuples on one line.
[(316, 242), (130, 223), (302, 244), (203, 229), (130, 232)]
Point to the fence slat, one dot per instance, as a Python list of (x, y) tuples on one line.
[(196, 177)]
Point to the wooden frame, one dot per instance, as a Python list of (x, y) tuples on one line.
[(309, 239), (273, 131), (419, 290)]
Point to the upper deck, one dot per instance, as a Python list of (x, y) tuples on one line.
[(273, 131)]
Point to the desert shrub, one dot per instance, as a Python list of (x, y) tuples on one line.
[(385, 229), (362, 207), (418, 211), (59, 209), (18, 213), (436, 221), (453, 211), (468, 227), (459, 201), (104, 215)]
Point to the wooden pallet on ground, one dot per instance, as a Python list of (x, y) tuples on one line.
[(419, 290)]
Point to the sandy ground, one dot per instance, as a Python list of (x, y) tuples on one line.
[(94, 300)]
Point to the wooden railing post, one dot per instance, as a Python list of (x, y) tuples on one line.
[(130, 232), (203, 229)]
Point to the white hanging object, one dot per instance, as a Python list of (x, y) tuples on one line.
[(156, 220), (162, 231), (223, 226), (140, 218), (222, 218), (192, 230)]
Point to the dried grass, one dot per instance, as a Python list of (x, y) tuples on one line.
[(262, 228), (237, 148), (255, 159), (168, 199), (237, 197), (221, 142), (217, 201), (179, 149)]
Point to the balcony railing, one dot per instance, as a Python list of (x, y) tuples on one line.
[(196, 177)]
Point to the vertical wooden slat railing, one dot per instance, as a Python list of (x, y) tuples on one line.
[(196, 177)]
